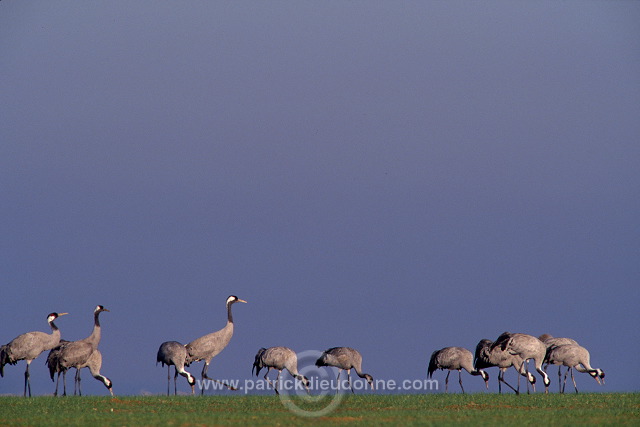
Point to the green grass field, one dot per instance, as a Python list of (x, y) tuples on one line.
[(437, 409)]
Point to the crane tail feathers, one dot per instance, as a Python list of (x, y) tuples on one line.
[(4, 359), (257, 362), (321, 361), (433, 364)]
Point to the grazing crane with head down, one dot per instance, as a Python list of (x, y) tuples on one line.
[(552, 342), (486, 357), (455, 359), (28, 346), (344, 358), (174, 353), (527, 347), (94, 363), (278, 358), (208, 346), (76, 354), (574, 356)]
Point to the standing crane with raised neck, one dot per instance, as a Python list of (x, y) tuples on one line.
[(210, 345), (28, 346)]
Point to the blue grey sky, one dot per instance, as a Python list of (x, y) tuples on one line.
[(396, 177)]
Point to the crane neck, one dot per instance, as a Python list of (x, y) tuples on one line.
[(54, 328), (360, 373), (54, 338), (229, 316), (55, 332), (95, 336)]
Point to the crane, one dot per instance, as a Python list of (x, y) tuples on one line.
[(344, 358), (28, 346), (210, 345), (455, 359), (278, 358)]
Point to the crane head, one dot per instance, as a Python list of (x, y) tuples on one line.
[(546, 380), (597, 375), (99, 308), (305, 381), (191, 380), (233, 299), (485, 377), (53, 316), (369, 379)]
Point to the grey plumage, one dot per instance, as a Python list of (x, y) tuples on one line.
[(94, 363), (77, 353), (278, 358), (28, 346), (208, 346), (574, 357), (175, 353), (486, 357), (344, 358), (454, 359), (527, 347), (552, 342)]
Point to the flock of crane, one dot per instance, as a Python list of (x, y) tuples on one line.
[(515, 350), (508, 350)]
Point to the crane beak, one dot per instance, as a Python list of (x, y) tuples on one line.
[(241, 300), (62, 314)]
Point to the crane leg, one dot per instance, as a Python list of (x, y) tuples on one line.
[(501, 379), (574, 381), (205, 368), (564, 384), (277, 382), (205, 376), (77, 380), (168, 378), (526, 373), (27, 380), (338, 381), (55, 393), (175, 381), (560, 379), (522, 371), (64, 382), (269, 381), (446, 383), (460, 379), (349, 381)]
